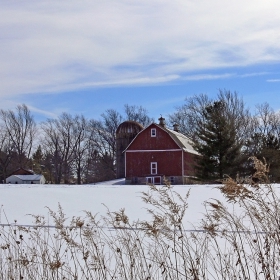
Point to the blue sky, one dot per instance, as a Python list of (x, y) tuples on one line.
[(84, 57)]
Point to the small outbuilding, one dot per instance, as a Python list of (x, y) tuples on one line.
[(26, 179)]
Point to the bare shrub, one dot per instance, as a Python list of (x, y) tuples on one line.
[(238, 239)]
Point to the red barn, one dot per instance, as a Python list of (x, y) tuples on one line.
[(157, 153)]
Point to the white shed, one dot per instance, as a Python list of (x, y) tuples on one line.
[(26, 179)]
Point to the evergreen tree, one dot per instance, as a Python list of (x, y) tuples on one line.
[(217, 142), (37, 160)]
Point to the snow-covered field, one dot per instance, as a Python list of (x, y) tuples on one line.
[(17, 201)]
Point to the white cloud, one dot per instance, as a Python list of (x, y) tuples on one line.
[(208, 77), (48, 114), (273, 80), (49, 46), (254, 74)]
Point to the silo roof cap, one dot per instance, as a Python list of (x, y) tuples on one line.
[(128, 126)]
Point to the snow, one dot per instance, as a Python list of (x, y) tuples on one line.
[(17, 201)]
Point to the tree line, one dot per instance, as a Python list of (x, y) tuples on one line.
[(66, 149), (73, 149), (226, 133)]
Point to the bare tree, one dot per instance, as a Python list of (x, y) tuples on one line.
[(105, 131), (103, 138), (267, 121), (264, 141), (58, 141), (138, 114), (66, 143), (190, 114), (237, 111), (6, 153), (51, 143), (20, 127), (81, 147)]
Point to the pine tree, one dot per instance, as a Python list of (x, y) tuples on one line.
[(217, 143), (37, 160)]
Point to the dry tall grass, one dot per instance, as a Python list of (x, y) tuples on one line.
[(237, 240)]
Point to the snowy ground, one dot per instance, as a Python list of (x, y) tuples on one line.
[(17, 201)]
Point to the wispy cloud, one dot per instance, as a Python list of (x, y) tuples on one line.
[(53, 46), (48, 114), (254, 74), (273, 80), (208, 77)]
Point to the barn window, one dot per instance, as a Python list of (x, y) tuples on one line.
[(153, 132), (153, 167), (149, 180)]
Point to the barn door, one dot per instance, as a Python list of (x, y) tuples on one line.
[(157, 180)]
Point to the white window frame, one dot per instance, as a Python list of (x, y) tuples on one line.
[(153, 132), (153, 168), (157, 177), (151, 180)]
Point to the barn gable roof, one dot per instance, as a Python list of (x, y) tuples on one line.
[(180, 139)]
